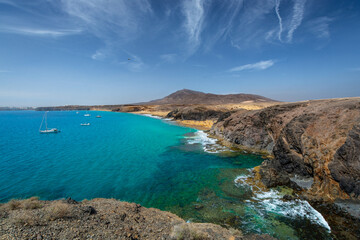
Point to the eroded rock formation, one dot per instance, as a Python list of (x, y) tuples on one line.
[(313, 140)]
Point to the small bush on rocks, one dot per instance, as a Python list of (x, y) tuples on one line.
[(184, 231), (59, 210), (31, 203), (13, 204), (26, 218)]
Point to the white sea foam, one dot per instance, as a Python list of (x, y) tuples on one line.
[(271, 201), (293, 209), (209, 145), (152, 116)]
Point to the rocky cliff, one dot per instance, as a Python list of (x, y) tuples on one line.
[(102, 219), (315, 145), (197, 113)]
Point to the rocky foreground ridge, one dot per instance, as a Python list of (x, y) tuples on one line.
[(315, 145), (102, 219)]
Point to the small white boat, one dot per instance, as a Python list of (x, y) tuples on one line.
[(98, 116), (53, 130), (85, 124), (47, 130), (77, 112), (86, 115)]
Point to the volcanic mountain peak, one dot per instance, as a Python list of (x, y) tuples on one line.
[(187, 96)]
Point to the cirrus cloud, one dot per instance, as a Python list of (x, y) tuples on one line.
[(262, 65)]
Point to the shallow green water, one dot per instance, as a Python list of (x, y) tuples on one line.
[(149, 161)]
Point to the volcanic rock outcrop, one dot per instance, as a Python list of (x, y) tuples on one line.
[(315, 145)]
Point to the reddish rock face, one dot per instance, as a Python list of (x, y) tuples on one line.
[(317, 140)]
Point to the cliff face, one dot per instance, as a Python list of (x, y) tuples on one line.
[(197, 113), (315, 144)]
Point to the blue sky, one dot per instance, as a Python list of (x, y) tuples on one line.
[(57, 52)]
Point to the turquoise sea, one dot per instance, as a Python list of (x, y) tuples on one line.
[(145, 160)]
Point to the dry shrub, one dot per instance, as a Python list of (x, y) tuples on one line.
[(31, 203), (12, 205), (235, 232), (58, 210), (186, 231), (26, 218), (3, 212)]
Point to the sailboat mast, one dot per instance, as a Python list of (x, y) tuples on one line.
[(42, 121), (46, 120)]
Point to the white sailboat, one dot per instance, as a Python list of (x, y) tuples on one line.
[(47, 130)]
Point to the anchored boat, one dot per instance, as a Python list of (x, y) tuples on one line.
[(47, 130)]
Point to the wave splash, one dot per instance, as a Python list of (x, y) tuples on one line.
[(209, 144), (271, 202)]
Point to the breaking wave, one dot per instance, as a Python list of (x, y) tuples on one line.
[(272, 202), (209, 144)]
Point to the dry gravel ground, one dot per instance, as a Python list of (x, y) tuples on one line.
[(101, 219)]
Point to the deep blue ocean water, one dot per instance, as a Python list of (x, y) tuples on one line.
[(144, 160)]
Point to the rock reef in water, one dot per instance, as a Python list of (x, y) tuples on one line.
[(315, 145), (102, 219)]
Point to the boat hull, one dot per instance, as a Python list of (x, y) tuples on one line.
[(50, 131)]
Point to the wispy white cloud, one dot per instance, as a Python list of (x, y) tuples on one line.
[(320, 27), (277, 11), (134, 63), (99, 55), (115, 22), (194, 12), (111, 20), (4, 71), (251, 27), (262, 65), (170, 57), (40, 32), (224, 23), (297, 17), (188, 25), (8, 2)]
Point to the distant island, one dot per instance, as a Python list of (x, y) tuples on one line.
[(16, 108)]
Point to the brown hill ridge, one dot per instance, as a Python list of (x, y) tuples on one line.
[(178, 99), (186, 96)]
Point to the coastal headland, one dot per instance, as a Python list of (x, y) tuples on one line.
[(312, 146)]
